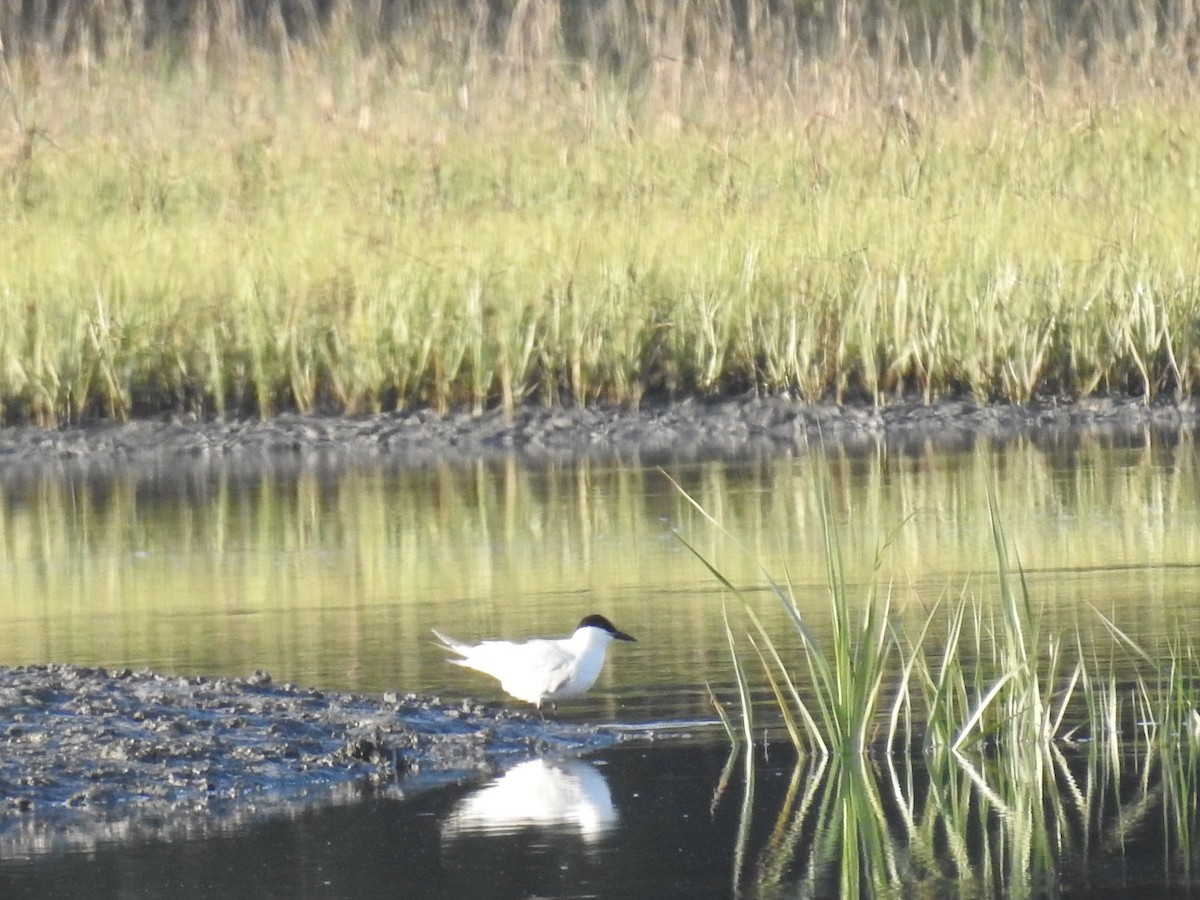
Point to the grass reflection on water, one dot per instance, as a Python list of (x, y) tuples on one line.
[(1026, 825), (1043, 822), (335, 577)]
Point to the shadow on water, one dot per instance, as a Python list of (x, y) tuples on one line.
[(685, 819)]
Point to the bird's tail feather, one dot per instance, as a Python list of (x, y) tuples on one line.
[(451, 644)]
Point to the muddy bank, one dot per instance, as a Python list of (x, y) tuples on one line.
[(88, 755), (689, 430)]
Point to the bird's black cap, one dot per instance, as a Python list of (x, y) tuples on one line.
[(603, 624)]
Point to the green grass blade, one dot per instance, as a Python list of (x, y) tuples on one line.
[(781, 703), (723, 716), (743, 687), (980, 709), (810, 725)]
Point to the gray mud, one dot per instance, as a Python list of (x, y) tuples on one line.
[(690, 430), (88, 755)]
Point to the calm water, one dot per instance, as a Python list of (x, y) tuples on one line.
[(334, 579), (651, 821)]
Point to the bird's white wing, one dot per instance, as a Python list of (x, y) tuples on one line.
[(554, 667), (530, 671)]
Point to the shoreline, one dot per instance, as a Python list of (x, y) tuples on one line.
[(685, 431)]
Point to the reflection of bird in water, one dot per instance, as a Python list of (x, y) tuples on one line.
[(544, 668), (568, 795)]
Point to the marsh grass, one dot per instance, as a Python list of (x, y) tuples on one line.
[(980, 676), (1001, 715), (237, 215), (1035, 823)]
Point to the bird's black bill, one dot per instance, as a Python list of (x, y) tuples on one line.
[(603, 624)]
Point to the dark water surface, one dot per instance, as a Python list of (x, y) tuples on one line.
[(333, 578), (638, 826), (635, 821)]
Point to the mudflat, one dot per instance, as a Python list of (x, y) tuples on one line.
[(736, 427), (90, 755)]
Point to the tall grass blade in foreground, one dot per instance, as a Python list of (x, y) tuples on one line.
[(1002, 712), (847, 677)]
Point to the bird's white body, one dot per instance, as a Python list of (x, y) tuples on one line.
[(545, 668)]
